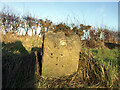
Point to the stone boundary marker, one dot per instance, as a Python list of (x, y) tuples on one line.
[(60, 54)]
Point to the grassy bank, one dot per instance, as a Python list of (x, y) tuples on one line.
[(18, 60), (102, 68)]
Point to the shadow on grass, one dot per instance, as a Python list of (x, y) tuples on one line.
[(111, 45), (18, 66)]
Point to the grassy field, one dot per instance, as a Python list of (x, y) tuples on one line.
[(101, 66)]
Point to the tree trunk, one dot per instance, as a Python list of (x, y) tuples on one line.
[(35, 29)]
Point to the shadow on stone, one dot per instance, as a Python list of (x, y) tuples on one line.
[(38, 58)]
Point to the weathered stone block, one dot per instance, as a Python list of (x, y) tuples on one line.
[(61, 54)]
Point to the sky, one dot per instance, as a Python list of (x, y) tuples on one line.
[(89, 13), (119, 16)]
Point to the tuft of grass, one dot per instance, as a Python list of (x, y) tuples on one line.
[(108, 58)]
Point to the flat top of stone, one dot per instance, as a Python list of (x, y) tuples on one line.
[(61, 35)]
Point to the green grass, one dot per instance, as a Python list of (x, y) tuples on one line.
[(108, 58)]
